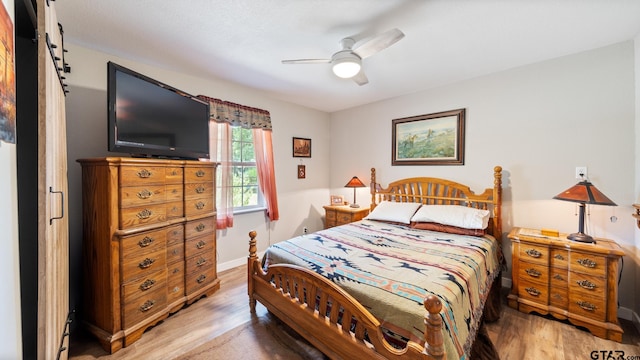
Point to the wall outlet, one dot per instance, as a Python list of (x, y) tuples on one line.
[(305, 230), (581, 172)]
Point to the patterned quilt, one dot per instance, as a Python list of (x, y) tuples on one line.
[(390, 269)]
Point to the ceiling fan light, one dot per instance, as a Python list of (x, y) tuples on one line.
[(346, 68)]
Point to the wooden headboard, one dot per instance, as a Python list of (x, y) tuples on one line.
[(436, 191)]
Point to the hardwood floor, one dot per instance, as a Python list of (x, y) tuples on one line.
[(515, 335)]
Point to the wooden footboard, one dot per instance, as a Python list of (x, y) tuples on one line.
[(331, 319)]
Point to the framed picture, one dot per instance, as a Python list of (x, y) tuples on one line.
[(432, 139), (337, 200), (301, 147), (302, 172)]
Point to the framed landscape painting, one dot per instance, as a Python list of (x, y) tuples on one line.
[(301, 147), (432, 139)]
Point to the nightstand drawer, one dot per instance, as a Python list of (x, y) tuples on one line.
[(344, 218), (588, 263), (587, 284), (559, 297), (533, 291), (559, 258), (331, 215), (534, 253), (588, 306), (559, 278), (534, 272)]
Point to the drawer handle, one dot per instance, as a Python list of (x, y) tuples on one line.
[(175, 252), (559, 257), (174, 173), (200, 205), (534, 253), (200, 173), (585, 305), (201, 278), (146, 263), (144, 173), (145, 242), (201, 262), (200, 227), (533, 291), (144, 194), (587, 263), (201, 244), (533, 273), (558, 277), (586, 284), (147, 284), (144, 214), (147, 305), (557, 296), (175, 271), (176, 289), (200, 189)]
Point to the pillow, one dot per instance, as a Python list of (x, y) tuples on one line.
[(447, 228), (454, 215), (394, 211)]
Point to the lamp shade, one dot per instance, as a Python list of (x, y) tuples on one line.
[(584, 193), (355, 183)]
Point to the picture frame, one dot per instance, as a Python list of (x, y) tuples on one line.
[(337, 200), (301, 147), (302, 171), (430, 139)]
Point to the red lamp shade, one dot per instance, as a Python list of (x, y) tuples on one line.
[(355, 183)]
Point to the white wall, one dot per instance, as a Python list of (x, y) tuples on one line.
[(87, 137), (538, 122), (10, 326)]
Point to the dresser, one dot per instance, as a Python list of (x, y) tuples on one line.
[(149, 243), (342, 214), (567, 279)]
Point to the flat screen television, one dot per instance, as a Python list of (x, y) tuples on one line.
[(150, 119)]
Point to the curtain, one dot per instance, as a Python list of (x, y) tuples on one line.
[(223, 115)]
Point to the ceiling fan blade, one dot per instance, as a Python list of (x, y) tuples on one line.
[(307, 61), (361, 78), (379, 43)]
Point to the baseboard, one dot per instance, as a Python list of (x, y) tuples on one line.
[(236, 262)]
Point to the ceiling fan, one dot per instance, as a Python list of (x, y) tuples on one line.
[(347, 63)]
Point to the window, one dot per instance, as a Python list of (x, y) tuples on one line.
[(246, 193)]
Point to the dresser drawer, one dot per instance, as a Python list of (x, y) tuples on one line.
[(534, 272), (174, 209), (143, 285), (343, 218), (534, 253), (173, 175), (175, 281), (175, 234), (559, 258), (200, 227), (144, 306), (141, 175), (559, 278), (197, 174), (588, 263), (142, 215), (592, 307), (141, 195), (196, 263), (139, 245), (143, 265), (331, 215), (198, 190), (196, 281), (196, 245), (199, 206), (174, 192), (175, 253), (559, 297), (533, 291), (587, 284)]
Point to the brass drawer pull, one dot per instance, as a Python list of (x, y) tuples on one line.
[(174, 172), (147, 305), (558, 277), (533, 291), (585, 305), (559, 257), (200, 189), (147, 284), (145, 242), (201, 278), (201, 244), (586, 284), (533, 273), (534, 253), (176, 289), (175, 252), (200, 173), (144, 173), (175, 271), (146, 263), (144, 214), (200, 227), (557, 296), (201, 262), (144, 194), (587, 263), (200, 205)]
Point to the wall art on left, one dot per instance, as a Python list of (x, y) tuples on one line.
[(7, 79)]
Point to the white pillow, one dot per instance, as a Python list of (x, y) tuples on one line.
[(454, 215), (394, 211)]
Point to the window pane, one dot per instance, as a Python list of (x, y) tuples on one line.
[(250, 175), (247, 135), (248, 152), (250, 197), (236, 176)]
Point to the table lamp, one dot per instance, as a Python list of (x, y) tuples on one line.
[(354, 183), (583, 193)]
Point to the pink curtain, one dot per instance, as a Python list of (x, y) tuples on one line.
[(266, 176)]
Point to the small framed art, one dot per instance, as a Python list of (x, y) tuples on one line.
[(302, 172), (337, 199), (301, 147)]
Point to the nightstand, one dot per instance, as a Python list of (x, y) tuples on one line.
[(343, 214), (567, 279)]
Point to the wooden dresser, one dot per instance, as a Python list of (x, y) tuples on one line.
[(342, 214), (149, 243), (567, 279)]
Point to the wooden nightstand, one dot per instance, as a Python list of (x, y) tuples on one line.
[(343, 214), (567, 279)]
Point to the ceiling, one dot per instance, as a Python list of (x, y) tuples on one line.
[(244, 41)]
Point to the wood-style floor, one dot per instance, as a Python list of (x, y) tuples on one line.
[(515, 335)]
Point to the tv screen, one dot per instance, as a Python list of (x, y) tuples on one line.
[(150, 119)]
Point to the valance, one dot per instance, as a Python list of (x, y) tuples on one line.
[(237, 115)]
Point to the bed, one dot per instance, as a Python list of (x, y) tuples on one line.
[(392, 285)]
